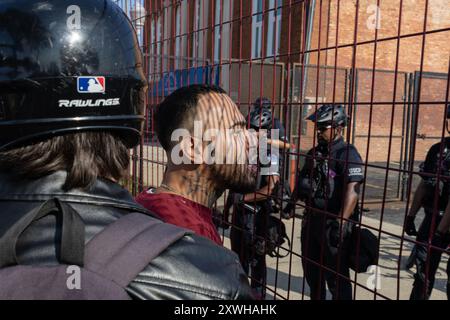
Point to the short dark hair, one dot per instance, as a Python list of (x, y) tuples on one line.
[(85, 156), (177, 109)]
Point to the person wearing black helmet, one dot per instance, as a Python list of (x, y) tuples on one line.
[(261, 117), (329, 185), (434, 229), (72, 102), (254, 212)]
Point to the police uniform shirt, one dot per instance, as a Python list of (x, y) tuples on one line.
[(270, 167), (429, 171), (281, 156), (345, 166), (272, 164), (281, 131)]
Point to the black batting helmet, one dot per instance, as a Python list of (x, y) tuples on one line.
[(68, 66)]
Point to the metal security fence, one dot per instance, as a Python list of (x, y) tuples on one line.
[(387, 62)]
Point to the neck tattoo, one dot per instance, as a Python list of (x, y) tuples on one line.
[(165, 186)]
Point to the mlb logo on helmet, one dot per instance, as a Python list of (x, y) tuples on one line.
[(91, 84)]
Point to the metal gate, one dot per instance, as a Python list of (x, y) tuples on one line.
[(387, 62)]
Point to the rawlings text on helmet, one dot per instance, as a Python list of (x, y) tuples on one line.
[(61, 93), (89, 103)]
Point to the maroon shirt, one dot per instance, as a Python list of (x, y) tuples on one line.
[(181, 212)]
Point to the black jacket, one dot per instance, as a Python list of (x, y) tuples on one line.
[(192, 268)]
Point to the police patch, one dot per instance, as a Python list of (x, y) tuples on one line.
[(354, 172)]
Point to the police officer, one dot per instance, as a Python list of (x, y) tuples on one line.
[(435, 173), (329, 184), (262, 109), (61, 137), (252, 210)]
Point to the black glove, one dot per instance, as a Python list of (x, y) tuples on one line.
[(335, 235), (288, 211), (410, 227), (440, 240), (274, 208)]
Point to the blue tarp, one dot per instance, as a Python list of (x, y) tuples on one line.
[(179, 78)]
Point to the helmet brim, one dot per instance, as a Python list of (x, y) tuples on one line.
[(312, 117)]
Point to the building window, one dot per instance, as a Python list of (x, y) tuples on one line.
[(155, 48), (217, 31), (257, 26), (274, 28), (178, 39), (222, 27), (180, 35), (151, 49), (158, 45), (200, 22), (166, 35)]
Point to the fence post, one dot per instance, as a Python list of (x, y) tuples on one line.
[(401, 175)]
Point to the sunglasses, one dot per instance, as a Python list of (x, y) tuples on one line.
[(323, 129)]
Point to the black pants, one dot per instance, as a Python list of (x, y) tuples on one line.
[(246, 236), (424, 278), (316, 253)]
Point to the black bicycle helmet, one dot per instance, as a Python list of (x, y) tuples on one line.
[(261, 118), (330, 115), (262, 103), (68, 66)]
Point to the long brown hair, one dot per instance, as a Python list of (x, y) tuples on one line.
[(85, 156)]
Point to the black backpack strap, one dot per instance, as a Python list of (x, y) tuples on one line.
[(72, 233), (125, 247)]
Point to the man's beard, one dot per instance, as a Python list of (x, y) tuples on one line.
[(322, 141), (238, 178)]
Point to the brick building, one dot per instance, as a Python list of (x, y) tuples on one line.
[(302, 53)]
